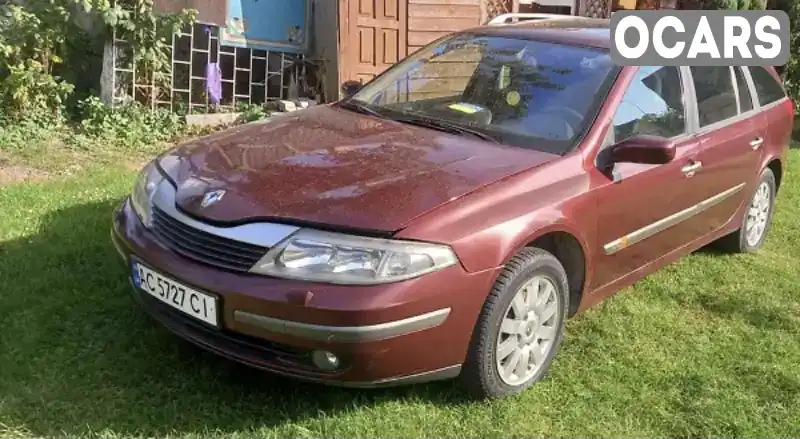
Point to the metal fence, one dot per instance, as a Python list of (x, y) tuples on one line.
[(249, 76)]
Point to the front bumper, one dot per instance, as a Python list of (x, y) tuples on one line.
[(401, 333)]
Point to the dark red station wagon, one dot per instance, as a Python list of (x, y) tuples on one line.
[(446, 218)]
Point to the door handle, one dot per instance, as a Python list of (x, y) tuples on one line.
[(690, 169), (755, 144)]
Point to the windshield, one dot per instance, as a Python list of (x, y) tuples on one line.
[(525, 93)]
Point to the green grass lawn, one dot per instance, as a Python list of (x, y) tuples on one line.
[(707, 346)]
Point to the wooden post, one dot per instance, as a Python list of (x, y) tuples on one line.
[(343, 56), (107, 74)]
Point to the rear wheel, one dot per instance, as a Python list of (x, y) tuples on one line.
[(757, 219), (520, 327)]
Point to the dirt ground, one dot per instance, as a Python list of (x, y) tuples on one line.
[(13, 173)]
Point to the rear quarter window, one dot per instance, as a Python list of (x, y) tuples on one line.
[(768, 89)]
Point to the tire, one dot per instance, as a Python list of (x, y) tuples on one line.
[(531, 268), (741, 241)]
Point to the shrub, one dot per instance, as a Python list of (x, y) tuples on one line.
[(130, 124), (28, 42), (47, 47), (791, 71), (251, 112), (741, 5)]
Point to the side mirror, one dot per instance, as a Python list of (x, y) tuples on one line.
[(644, 149), (349, 88)]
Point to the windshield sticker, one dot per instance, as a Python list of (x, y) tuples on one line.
[(465, 108), (513, 98)]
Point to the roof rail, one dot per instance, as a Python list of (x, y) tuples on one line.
[(505, 18)]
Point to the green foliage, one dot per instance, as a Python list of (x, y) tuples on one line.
[(27, 91), (21, 134), (791, 71), (29, 39), (149, 35), (752, 5), (129, 127), (130, 124), (41, 38), (741, 5), (251, 112), (722, 4)]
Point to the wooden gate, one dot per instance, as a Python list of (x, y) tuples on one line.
[(372, 36)]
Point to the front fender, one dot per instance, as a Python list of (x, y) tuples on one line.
[(486, 229)]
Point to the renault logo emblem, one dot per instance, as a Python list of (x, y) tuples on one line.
[(212, 198)]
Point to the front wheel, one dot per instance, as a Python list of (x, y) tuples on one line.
[(520, 326), (757, 219)]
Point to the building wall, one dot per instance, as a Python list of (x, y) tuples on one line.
[(431, 19), (325, 45), (208, 11), (545, 9), (374, 34)]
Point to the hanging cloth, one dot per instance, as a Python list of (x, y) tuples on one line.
[(214, 82)]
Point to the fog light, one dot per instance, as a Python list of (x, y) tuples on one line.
[(325, 360)]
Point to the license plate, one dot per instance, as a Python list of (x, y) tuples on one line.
[(185, 299)]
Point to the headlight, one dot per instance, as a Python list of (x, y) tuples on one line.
[(344, 259), (143, 190)]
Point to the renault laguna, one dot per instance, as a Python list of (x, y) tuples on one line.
[(445, 219)]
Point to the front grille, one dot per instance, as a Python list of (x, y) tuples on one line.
[(203, 246)]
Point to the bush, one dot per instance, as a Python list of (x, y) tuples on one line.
[(47, 47), (28, 42), (251, 112), (741, 5), (130, 124), (791, 71)]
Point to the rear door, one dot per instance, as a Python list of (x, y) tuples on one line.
[(777, 112), (640, 209), (730, 133)]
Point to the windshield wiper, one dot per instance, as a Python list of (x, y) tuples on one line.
[(435, 124), (448, 127), (360, 107)]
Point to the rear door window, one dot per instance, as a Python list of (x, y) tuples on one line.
[(716, 97), (767, 87)]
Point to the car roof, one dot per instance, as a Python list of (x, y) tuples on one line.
[(593, 32)]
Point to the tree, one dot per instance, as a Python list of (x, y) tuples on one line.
[(791, 71), (45, 44), (740, 5)]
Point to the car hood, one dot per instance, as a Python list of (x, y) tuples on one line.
[(334, 167)]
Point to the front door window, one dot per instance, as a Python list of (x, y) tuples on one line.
[(653, 105)]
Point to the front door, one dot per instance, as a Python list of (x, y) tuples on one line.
[(373, 37), (640, 208)]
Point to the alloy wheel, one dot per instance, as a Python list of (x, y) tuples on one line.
[(528, 331), (758, 214)]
